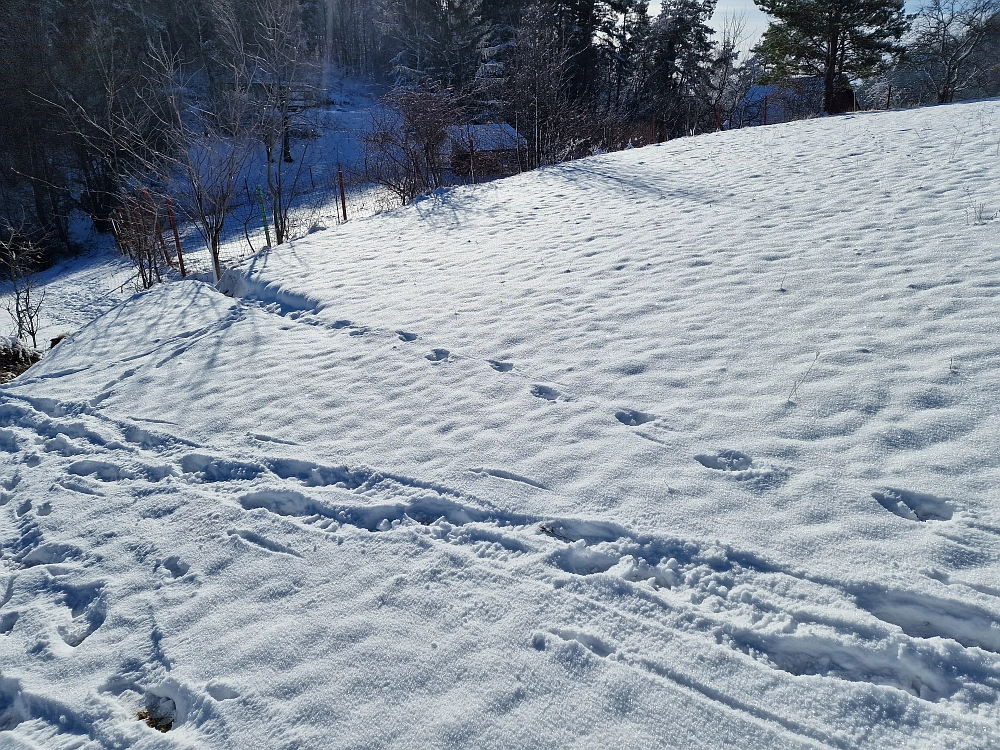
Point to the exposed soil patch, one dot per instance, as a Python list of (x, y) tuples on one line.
[(15, 358)]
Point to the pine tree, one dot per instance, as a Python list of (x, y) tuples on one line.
[(438, 40), (835, 39), (680, 56)]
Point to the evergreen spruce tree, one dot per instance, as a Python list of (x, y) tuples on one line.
[(438, 40), (679, 58), (835, 39)]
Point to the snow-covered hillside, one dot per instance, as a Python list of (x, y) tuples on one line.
[(692, 446)]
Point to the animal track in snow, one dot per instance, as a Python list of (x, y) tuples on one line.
[(50, 553), (581, 560), (406, 336), (727, 460), (757, 608), (501, 366), (175, 566), (219, 691), (337, 325), (726, 597), (633, 418), (914, 506), (740, 467), (439, 355), (547, 393)]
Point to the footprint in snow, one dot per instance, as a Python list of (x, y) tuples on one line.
[(739, 466), (337, 325), (88, 608), (158, 712), (406, 336), (220, 691), (546, 393), (501, 366), (8, 621), (914, 506), (439, 355)]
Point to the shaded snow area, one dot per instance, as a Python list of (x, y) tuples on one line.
[(691, 446)]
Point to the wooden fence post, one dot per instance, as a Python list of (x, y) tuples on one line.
[(155, 211), (177, 237), (343, 195), (765, 110), (263, 215)]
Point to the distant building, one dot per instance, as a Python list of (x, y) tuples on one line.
[(490, 150), (794, 99)]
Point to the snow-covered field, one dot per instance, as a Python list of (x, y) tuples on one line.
[(691, 446)]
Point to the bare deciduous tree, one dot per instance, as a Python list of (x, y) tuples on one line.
[(947, 34), (206, 148), (731, 80), (17, 255), (282, 72), (404, 146)]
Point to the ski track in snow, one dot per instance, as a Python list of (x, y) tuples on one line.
[(867, 634)]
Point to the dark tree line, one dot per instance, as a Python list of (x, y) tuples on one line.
[(112, 107)]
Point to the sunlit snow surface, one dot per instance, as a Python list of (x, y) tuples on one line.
[(692, 446)]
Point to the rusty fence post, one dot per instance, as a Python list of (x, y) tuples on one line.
[(343, 195), (177, 237)]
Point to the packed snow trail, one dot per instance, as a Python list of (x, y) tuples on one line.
[(669, 448)]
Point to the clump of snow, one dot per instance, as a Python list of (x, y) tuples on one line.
[(688, 446)]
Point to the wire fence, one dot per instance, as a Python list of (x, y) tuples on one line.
[(317, 203)]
